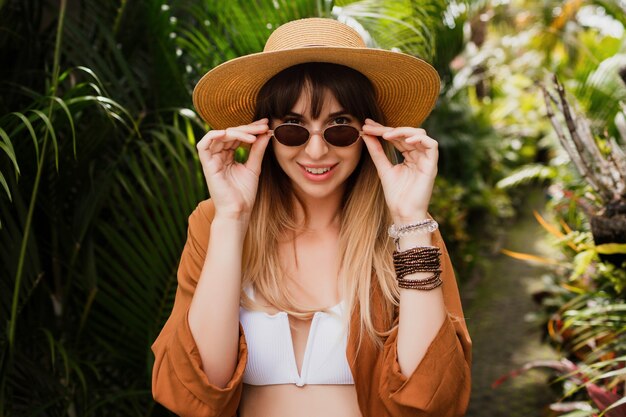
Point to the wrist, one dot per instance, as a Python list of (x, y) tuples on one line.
[(230, 215), (414, 240), (233, 225), (410, 218)]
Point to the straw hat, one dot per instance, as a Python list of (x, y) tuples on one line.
[(406, 87)]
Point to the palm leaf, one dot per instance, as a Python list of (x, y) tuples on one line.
[(399, 25), (135, 275)]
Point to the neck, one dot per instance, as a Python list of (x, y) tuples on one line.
[(323, 212)]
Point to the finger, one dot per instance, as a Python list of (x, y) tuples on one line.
[(403, 132), (375, 129), (423, 140), (372, 122), (384, 131), (377, 154), (217, 140), (237, 134), (255, 157), (218, 146), (425, 144), (405, 139), (204, 145), (253, 128), (208, 137)]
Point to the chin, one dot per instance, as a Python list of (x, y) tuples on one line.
[(318, 192)]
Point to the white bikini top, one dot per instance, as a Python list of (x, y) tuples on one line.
[(271, 359)]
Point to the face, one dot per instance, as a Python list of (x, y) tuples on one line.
[(318, 170)]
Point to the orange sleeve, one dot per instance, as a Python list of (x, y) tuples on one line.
[(440, 385), (178, 381)]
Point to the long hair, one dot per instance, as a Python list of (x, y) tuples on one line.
[(364, 247)]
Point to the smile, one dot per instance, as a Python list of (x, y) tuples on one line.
[(317, 171)]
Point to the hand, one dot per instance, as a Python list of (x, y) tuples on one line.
[(407, 186), (233, 185)]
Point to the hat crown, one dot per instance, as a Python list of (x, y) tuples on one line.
[(313, 32)]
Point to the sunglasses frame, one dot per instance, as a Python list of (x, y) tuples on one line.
[(321, 132)]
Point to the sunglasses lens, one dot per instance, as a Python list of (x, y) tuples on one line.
[(341, 135), (291, 134)]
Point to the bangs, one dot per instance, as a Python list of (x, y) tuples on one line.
[(352, 90)]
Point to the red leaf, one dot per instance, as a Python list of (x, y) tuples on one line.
[(604, 398)]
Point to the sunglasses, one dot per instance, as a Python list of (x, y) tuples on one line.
[(292, 134)]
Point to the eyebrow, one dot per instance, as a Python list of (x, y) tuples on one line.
[(330, 116)]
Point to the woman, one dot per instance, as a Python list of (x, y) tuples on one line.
[(292, 298)]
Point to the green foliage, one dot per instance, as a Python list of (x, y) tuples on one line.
[(583, 299), (584, 310), (405, 25), (99, 172), (85, 282)]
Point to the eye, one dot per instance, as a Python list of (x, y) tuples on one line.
[(293, 120), (341, 120)]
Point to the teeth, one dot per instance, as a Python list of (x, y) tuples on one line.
[(317, 171)]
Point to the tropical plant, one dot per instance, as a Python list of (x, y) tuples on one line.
[(580, 40), (584, 299), (602, 166), (584, 312), (68, 293), (99, 174)]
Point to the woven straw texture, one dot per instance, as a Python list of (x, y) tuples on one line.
[(406, 87)]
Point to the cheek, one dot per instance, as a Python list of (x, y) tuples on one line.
[(354, 154), (283, 154)]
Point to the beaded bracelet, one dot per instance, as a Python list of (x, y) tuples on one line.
[(418, 259), (427, 284), (423, 226)]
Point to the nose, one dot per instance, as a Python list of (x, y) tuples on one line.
[(316, 147)]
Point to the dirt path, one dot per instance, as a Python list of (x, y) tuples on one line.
[(497, 307)]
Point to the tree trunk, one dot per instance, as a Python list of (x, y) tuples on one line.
[(610, 227)]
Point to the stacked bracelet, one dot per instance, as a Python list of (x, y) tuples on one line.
[(427, 284), (419, 259)]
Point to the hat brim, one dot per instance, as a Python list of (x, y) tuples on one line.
[(406, 87)]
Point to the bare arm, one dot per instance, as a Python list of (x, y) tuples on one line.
[(408, 187), (214, 311), (421, 313)]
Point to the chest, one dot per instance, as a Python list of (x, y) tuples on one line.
[(303, 351), (311, 352), (311, 267)]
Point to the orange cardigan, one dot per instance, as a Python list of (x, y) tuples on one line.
[(439, 387)]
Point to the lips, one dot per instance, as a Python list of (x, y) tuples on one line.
[(318, 172)]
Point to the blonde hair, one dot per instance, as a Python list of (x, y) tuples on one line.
[(364, 247)]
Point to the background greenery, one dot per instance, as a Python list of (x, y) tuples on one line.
[(582, 301), (98, 170)]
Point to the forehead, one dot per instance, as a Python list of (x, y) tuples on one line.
[(306, 102)]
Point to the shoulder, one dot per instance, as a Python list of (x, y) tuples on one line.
[(199, 223), (203, 214)]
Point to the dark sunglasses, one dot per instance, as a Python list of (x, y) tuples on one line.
[(292, 134)]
